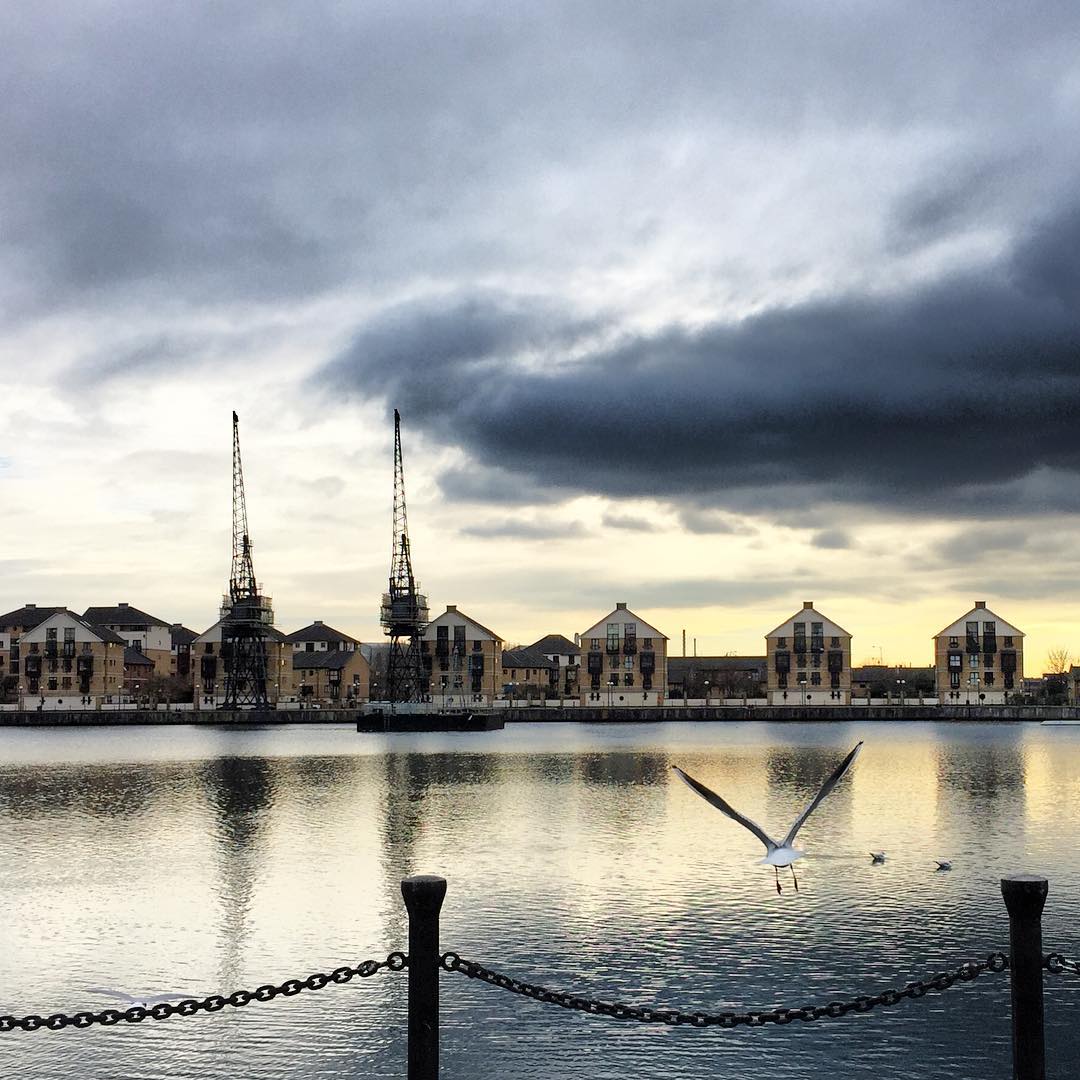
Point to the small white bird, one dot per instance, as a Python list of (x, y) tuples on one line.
[(777, 853), (943, 864), (877, 856), (145, 1000)]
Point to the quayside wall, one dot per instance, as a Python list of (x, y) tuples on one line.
[(585, 715)]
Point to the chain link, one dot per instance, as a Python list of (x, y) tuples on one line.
[(1057, 964), (752, 1018), (396, 961)]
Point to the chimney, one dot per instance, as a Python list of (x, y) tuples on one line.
[(980, 603), (807, 605), (620, 607), (318, 622), (451, 607), (123, 603), (30, 605)]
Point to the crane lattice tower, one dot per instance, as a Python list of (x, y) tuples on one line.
[(246, 614), (404, 607)]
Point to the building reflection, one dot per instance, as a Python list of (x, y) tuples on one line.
[(240, 792)]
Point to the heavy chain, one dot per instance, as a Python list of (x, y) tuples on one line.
[(396, 961), (753, 1018), (1057, 964)]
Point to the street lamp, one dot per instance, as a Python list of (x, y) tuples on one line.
[(802, 683), (900, 683)]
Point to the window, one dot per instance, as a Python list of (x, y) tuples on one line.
[(628, 679), (208, 647), (613, 680), (309, 646), (459, 639), (646, 643), (954, 643), (781, 642), (815, 678), (834, 643), (781, 681), (594, 644), (50, 634), (52, 684), (955, 661), (973, 661), (973, 679), (954, 680), (65, 683), (988, 678), (477, 645), (1008, 642), (612, 637), (628, 663), (69, 633)]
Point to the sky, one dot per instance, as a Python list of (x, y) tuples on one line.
[(706, 308)]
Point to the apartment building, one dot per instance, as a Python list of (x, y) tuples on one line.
[(463, 660), (567, 655), (147, 633), (208, 667), (338, 677), (180, 662), (979, 659), (318, 637), (528, 673), (12, 625), (809, 660), (626, 661), (65, 662)]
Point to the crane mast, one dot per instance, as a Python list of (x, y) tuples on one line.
[(246, 614), (404, 608)]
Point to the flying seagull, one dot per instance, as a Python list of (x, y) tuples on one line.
[(782, 853)]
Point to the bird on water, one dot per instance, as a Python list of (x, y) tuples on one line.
[(777, 853), (877, 856)]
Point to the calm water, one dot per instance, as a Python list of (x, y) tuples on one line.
[(206, 860)]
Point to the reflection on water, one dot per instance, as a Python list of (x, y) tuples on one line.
[(209, 860)]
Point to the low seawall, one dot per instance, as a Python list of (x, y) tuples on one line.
[(772, 713), (584, 715), (202, 717)]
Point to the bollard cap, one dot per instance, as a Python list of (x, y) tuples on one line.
[(423, 891), (1024, 893)]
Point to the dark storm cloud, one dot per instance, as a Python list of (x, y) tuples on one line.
[(961, 398)]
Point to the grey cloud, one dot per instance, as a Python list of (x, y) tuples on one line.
[(476, 483), (525, 530), (832, 540), (711, 522), (628, 522)]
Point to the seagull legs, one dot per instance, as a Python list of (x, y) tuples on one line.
[(776, 871), (794, 878)]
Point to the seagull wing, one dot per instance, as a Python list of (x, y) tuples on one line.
[(141, 999), (825, 789), (726, 808)]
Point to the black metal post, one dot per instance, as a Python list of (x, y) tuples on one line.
[(423, 900), (1024, 899)]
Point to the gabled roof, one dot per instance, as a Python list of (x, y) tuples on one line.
[(102, 632), (526, 658), (270, 631), (28, 616), (332, 661), (983, 612), (556, 643), (318, 631), (122, 615), (181, 635), (452, 610), (135, 658), (806, 611), (621, 613)]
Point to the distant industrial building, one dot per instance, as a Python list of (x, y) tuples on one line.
[(725, 677)]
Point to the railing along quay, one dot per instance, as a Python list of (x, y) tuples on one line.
[(423, 895)]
